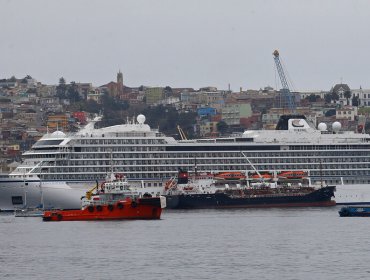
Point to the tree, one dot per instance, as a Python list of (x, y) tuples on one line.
[(72, 92), (62, 88), (167, 118), (222, 127), (330, 113), (367, 127), (62, 81), (91, 106), (31, 90), (167, 91), (328, 98), (355, 101), (312, 97), (334, 96), (347, 95)]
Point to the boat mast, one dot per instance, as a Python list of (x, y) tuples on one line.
[(259, 174), (41, 192), (24, 188)]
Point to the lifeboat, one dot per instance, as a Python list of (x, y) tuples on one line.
[(112, 200), (266, 176), (230, 176), (292, 174)]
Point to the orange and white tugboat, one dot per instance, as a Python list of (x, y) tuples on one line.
[(114, 199)]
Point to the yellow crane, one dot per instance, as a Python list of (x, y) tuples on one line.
[(90, 192)]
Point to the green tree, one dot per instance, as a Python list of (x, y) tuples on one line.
[(72, 92), (90, 106), (312, 97), (167, 91), (222, 127), (328, 98), (355, 101), (62, 88), (330, 113), (347, 95), (334, 96), (167, 118), (62, 81), (367, 127)]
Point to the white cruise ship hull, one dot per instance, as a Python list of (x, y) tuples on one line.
[(16, 194), (353, 194)]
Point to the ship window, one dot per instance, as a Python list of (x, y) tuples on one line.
[(16, 200), (48, 142)]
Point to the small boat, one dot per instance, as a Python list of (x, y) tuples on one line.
[(355, 211), (29, 212), (114, 199)]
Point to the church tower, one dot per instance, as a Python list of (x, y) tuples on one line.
[(119, 83)]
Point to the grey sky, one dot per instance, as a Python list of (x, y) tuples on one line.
[(189, 43)]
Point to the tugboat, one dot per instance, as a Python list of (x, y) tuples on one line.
[(196, 193), (114, 199)]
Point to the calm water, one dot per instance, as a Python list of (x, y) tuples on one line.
[(308, 243)]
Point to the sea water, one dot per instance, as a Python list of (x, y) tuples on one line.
[(299, 243)]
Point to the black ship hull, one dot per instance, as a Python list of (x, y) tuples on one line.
[(320, 197)]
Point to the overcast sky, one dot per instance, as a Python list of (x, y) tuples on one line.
[(187, 43)]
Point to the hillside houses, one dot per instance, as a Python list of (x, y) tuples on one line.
[(29, 108)]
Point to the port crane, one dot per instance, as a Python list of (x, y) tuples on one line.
[(287, 99)]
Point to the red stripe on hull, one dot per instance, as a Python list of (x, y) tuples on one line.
[(104, 213), (283, 205)]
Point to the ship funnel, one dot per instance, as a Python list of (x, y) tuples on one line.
[(182, 177)]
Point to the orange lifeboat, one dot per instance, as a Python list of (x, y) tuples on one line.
[(292, 174), (263, 175), (230, 176)]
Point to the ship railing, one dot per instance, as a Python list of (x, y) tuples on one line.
[(108, 201), (44, 152), (274, 195)]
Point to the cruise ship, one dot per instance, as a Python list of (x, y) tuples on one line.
[(60, 167)]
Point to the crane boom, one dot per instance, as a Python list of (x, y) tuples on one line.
[(287, 99), (283, 79)]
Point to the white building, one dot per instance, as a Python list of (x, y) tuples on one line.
[(346, 113), (363, 95)]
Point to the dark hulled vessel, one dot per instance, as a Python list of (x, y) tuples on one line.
[(187, 195)]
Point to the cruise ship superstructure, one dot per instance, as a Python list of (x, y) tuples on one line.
[(60, 167)]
